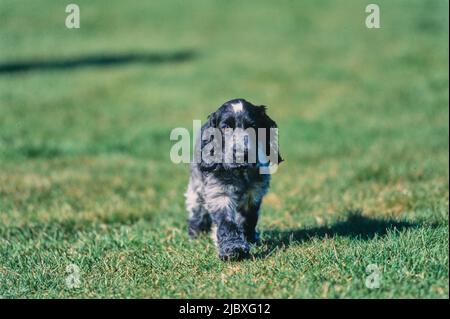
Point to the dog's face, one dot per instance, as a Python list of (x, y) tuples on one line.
[(247, 135)]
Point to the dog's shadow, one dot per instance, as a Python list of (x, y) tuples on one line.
[(355, 225)]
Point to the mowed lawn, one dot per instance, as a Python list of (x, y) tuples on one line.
[(85, 173)]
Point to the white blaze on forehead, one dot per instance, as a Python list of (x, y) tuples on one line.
[(237, 107)]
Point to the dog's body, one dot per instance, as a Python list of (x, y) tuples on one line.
[(229, 195)]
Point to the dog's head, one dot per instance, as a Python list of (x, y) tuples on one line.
[(239, 135)]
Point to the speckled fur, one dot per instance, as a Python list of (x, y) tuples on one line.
[(228, 198)]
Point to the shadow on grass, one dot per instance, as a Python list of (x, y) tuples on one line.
[(354, 226), (99, 60)]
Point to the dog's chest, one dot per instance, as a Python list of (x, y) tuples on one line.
[(245, 189)]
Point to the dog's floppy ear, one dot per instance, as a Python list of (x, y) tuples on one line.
[(210, 124), (268, 123), (212, 120)]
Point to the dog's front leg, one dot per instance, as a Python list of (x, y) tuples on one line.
[(230, 237), (199, 220)]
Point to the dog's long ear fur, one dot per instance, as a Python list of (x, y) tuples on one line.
[(210, 123), (268, 123)]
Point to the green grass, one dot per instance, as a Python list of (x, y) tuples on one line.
[(85, 174)]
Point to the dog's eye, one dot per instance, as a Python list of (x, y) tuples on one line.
[(227, 124)]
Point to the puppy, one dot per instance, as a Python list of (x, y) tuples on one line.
[(230, 176)]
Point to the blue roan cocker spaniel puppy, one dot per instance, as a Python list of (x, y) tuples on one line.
[(234, 157)]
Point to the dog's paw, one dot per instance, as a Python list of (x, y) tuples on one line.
[(233, 251)]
